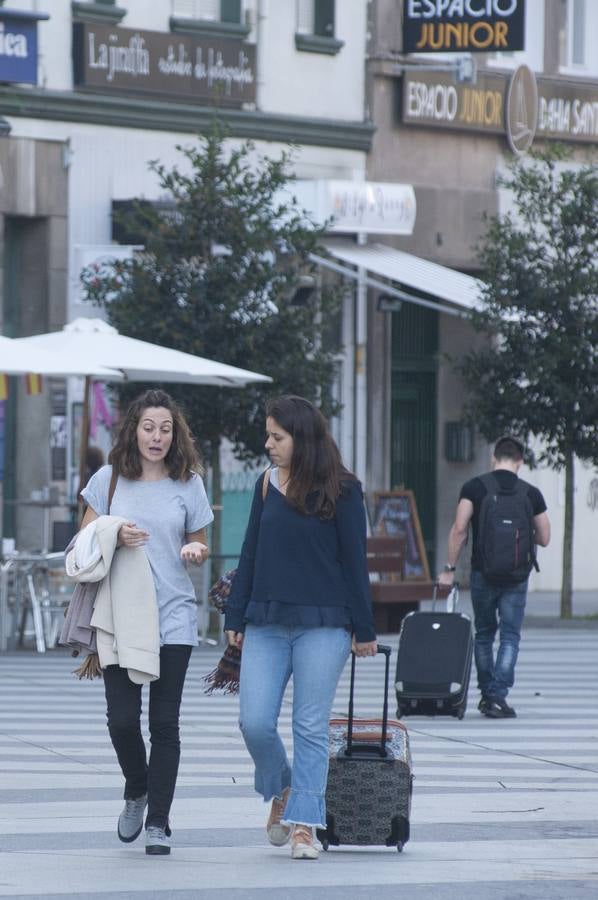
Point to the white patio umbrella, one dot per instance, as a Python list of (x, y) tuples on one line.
[(89, 343), (17, 359)]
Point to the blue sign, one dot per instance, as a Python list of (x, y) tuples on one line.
[(18, 46)]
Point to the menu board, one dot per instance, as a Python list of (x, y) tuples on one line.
[(395, 513)]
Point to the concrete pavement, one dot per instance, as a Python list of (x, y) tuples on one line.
[(501, 809)]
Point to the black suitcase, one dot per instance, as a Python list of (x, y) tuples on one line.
[(368, 793), (434, 661)]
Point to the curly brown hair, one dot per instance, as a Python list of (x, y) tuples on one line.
[(182, 459)]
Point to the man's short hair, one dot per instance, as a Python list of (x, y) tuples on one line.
[(509, 447)]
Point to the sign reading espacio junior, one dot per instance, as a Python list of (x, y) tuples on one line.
[(188, 68), (18, 46), (470, 26)]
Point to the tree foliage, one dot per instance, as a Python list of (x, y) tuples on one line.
[(222, 260), (537, 375)]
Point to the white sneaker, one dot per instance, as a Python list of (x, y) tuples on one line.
[(130, 821), (157, 841), (302, 846)]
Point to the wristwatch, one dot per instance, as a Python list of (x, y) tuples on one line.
[(449, 568)]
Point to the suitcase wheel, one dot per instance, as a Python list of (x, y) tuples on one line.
[(461, 713), (400, 846), (325, 844)]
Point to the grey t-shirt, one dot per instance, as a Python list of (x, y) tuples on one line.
[(168, 510)]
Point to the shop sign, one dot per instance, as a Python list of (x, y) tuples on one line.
[(568, 111), (18, 46), (348, 207), (518, 106), (430, 99), (468, 26), (188, 68)]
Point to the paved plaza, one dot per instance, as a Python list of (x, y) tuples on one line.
[(501, 809)]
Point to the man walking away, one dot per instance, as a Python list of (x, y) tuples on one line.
[(508, 518)]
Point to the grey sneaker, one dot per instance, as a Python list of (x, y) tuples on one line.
[(130, 821), (157, 841)]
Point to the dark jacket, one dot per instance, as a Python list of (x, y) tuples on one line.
[(298, 569)]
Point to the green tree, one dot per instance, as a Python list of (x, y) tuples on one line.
[(538, 373), (218, 277)]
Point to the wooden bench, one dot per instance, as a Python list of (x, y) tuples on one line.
[(393, 595)]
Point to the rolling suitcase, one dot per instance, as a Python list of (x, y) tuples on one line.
[(434, 661), (368, 794)]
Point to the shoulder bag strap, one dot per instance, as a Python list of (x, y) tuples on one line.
[(112, 488), (265, 484)]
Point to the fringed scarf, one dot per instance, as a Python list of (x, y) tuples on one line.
[(225, 677)]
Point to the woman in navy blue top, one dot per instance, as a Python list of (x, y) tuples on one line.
[(299, 601)]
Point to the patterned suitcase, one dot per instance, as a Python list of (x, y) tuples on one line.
[(368, 794)]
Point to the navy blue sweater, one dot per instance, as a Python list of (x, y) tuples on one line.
[(298, 569)]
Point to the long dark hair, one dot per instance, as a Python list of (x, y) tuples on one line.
[(182, 459), (316, 466)]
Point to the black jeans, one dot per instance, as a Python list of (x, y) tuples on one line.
[(123, 698)]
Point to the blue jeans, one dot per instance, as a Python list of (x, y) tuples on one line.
[(495, 609), (315, 657)]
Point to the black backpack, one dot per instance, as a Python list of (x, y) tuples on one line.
[(505, 536)]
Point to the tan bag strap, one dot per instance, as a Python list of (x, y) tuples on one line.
[(112, 488), (265, 484)]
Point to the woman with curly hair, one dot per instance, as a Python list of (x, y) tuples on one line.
[(153, 480), (299, 601)]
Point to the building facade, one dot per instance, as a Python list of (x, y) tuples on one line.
[(450, 139), (111, 86)]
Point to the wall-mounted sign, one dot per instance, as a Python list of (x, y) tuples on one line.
[(18, 45), (518, 106), (375, 207), (188, 68), (466, 26), (521, 109), (433, 99), (568, 111)]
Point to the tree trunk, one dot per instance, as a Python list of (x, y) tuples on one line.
[(567, 582), (216, 548)]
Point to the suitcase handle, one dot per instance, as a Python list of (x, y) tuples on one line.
[(452, 600), (381, 750)]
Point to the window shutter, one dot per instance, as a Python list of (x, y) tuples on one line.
[(185, 9), (305, 16)]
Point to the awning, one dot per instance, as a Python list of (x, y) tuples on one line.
[(445, 290)]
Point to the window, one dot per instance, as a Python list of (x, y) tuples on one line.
[(533, 54), (572, 33), (215, 17), (209, 10), (316, 26), (315, 17)]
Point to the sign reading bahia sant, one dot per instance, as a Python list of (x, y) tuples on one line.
[(470, 26), (188, 68)]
